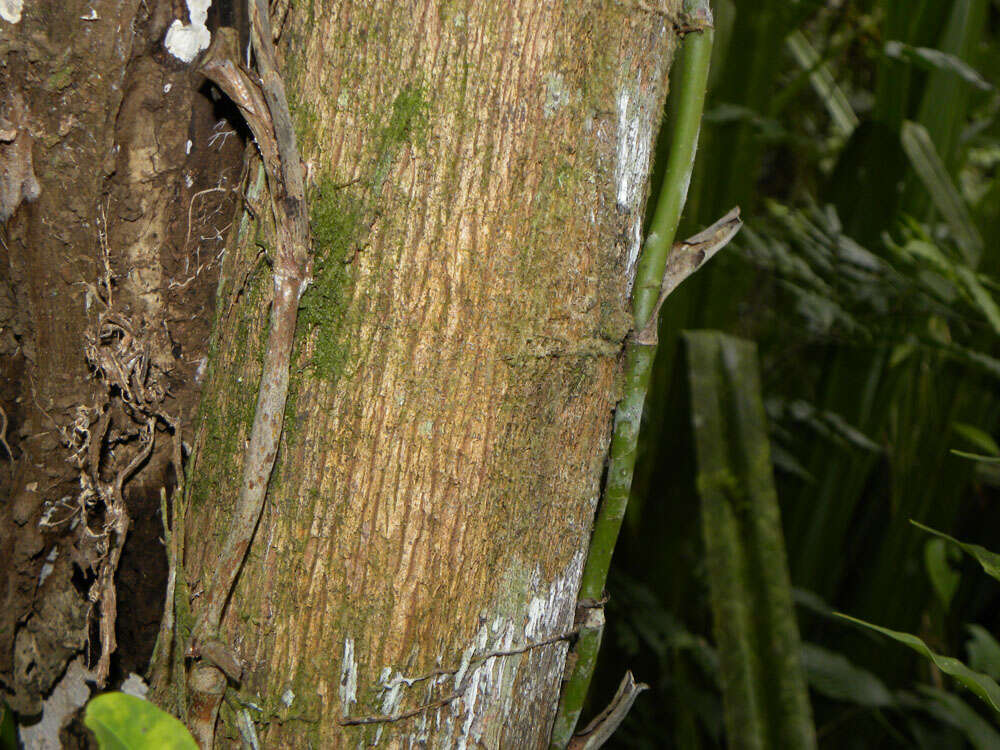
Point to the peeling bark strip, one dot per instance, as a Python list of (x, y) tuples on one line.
[(291, 277)]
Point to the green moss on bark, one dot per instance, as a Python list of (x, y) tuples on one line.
[(338, 230)]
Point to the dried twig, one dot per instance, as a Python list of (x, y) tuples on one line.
[(465, 667), (348, 721), (265, 109), (116, 528), (686, 258), (599, 730), (3, 433)]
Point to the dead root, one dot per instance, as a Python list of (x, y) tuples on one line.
[(108, 443)]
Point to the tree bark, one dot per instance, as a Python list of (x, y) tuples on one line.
[(125, 221), (478, 175)]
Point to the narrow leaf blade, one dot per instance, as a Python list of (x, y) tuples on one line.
[(980, 684), (927, 163), (989, 560)]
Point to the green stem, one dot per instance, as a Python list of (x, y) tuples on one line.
[(694, 57)]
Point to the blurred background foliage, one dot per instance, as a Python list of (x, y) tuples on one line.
[(862, 140)]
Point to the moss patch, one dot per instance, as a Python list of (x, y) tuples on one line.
[(408, 123), (337, 228)]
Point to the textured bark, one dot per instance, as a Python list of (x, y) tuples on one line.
[(478, 175), (120, 163)]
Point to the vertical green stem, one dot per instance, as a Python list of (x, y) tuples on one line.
[(694, 57), (764, 692)]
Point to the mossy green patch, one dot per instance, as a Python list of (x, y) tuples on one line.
[(227, 409), (60, 79), (304, 119), (408, 123), (337, 228)]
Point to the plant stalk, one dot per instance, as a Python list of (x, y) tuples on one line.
[(694, 58)]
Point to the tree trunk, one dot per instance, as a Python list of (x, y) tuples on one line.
[(477, 180)]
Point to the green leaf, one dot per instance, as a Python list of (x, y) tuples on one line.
[(952, 710), (982, 685), (989, 560), (985, 362), (931, 59), (918, 250), (984, 651), (977, 456), (938, 556), (982, 298), (927, 163), (124, 722), (835, 676), (979, 438), (834, 99), (8, 730)]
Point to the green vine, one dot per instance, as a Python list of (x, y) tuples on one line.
[(693, 58)]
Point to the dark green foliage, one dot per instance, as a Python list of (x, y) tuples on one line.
[(8, 729), (875, 319)]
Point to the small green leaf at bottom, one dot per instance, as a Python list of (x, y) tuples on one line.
[(124, 722)]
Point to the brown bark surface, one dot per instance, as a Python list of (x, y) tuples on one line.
[(122, 147), (478, 175)]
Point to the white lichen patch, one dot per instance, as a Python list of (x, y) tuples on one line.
[(635, 133), (185, 41), (392, 695), (48, 566), (556, 94), (10, 10), (481, 696), (135, 685), (635, 140), (348, 678), (488, 692)]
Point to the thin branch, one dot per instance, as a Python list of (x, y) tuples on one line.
[(441, 702), (349, 721), (266, 112), (3, 433)]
